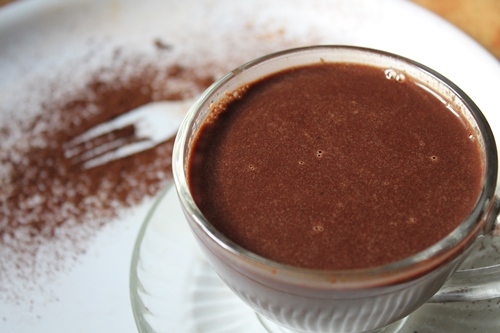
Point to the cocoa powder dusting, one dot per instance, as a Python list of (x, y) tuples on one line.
[(46, 200), (51, 210)]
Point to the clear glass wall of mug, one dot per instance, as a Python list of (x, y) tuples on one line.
[(360, 300)]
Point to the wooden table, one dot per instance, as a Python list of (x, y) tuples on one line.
[(479, 18)]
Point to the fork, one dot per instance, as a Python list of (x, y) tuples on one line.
[(135, 131)]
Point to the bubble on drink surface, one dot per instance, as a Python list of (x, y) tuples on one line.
[(318, 228), (412, 220), (251, 167), (434, 158), (392, 74), (319, 153), (302, 162)]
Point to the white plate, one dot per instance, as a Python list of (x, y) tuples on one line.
[(38, 38)]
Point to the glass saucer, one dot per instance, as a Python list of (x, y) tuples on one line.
[(173, 289)]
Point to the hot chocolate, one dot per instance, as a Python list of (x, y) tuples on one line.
[(335, 166)]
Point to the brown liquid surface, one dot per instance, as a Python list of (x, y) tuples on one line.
[(335, 167)]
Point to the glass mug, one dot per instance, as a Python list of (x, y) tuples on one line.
[(361, 300)]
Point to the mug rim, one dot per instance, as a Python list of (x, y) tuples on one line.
[(446, 249)]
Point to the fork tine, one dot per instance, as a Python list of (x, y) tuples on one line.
[(85, 155), (118, 153), (150, 125), (124, 120), (83, 150)]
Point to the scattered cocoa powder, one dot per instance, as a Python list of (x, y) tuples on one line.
[(46, 198), (51, 209), (160, 44)]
